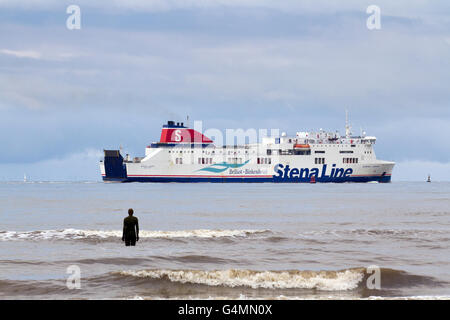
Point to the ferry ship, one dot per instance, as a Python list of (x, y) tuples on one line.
[(185, 155)]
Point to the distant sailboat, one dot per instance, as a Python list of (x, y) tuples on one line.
[(429, 178), (25, 178)]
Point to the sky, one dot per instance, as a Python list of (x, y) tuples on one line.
[(65, 95)]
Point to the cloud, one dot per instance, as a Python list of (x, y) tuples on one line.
[(21, 53), (46, 54), (408, 7)]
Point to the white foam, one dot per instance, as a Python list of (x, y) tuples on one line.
[(103, 234), (410, 298), (405, 233), (321, 280), (316, 296)]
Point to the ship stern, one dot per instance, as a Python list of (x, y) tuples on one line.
[(113, 167)]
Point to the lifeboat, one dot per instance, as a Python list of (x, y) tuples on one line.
[(302, 146)]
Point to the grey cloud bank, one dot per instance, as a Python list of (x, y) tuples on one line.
[(233, 65)]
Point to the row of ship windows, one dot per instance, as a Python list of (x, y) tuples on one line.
[(269, 152), (209, 152), (319, 160), (350, 160), (344, 160), (313, 141), (261, 160), (230, 160), (210, 161), (264, 161), (204, 160), (342, 151)]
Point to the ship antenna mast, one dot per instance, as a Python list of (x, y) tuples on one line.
[(347, 126)]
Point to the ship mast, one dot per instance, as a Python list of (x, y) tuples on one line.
[(347, 126)]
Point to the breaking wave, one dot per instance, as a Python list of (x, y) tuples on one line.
[(403, 234), (231, 284), (74, 234), (337, 280), (291, 279)]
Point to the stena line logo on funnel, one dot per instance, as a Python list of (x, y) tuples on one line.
[(285, 172)]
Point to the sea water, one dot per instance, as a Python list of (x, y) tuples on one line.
[(225, 241)]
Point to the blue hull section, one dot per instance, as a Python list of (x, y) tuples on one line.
[(382, 179), (115, 168)]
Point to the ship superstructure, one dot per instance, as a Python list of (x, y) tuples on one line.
[(185, 155)]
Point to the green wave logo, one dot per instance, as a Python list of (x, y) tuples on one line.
[(221, 167)]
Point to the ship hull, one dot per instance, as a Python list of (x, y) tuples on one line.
[(364, 179), (284, 172)]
